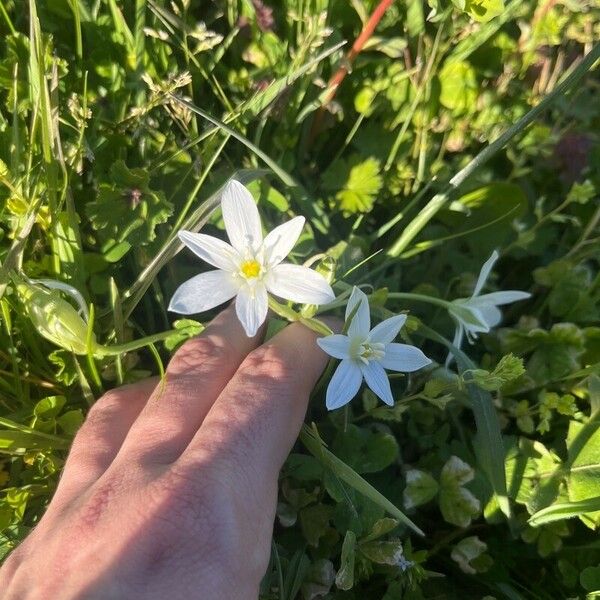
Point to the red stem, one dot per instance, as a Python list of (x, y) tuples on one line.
[(343, 70)]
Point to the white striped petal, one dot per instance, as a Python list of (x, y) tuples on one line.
[(361, 321), (378, 381), (336, 345), (404, 358), (251, 307), (459, 334), (279, 242), (298, 284), (203, 292), (486, 269), (491, 315), (470, 317), (500, 298), (387, 330), (344, 385), (214, 251), (241, 217)]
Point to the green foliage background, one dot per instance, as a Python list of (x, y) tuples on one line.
[(119, 121)]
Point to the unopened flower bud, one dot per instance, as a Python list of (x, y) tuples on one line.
[(55, 318)]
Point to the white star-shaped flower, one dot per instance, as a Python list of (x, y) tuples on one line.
[(366, 353), (250, 267), (479, 313)]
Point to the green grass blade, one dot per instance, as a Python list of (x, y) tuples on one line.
[(285, 177), (564, 510), (490, 446), (441, 199), (351, 477)]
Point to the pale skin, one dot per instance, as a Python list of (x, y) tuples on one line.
[(170, 489)]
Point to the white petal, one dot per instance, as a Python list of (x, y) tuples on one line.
[(361, 322), (298, 284), (491, 315), (214, 251), (486, 269), (336, 345), (279, 242), (203, 292), (481, 326), (500, 298), (251, 307), (344, 385), (53, 284), (241, 217), (403, 357), (387, 330), (457, 342), (378, 381), (469, 316)]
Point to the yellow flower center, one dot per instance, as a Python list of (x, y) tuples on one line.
[(250, 269)]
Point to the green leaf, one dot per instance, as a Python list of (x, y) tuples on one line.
[(509, 368), (590, 579), (564, 510), (466, 553), (186, 329), (70, 421), (483, 10), (295, 574), (383, 553), (315, 521), (491, 210), (127, 210), (318, 581), (356, 183), (583, 482), (344, 579), (556, 353), (489, 442), (459, 86), (49, 407), (421, 487), (317, 448), (380, 528), (572, 296), (366, 451), (458, 505)]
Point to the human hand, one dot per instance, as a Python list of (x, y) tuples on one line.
[(170, 489)]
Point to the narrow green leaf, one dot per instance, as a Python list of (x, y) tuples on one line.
[(490, 446), (564, 510), (317, 448), (441, 199)]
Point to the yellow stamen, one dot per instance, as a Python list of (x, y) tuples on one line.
[(250, 269)]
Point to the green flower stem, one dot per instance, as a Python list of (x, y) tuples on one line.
[(289, 314), (441, 199), (316, 325), (90, 343), (419, 298), (101, 351)]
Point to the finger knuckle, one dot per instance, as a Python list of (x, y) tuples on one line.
[(269, 365), (204, 352)]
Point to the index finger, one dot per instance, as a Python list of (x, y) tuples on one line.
[(257, 417)]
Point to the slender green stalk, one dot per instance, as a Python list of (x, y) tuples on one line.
[(134, 344), (7, 18), (91, 348), (419, 298), (441, 199), (423, 86), (77, 18)]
